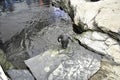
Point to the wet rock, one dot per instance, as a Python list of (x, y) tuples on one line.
[(20, 74), (2, 74), (107, 72), (60, 64), (101, 43)]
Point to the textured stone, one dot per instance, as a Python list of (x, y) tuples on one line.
[(76, 69), (109, 22), (102, 44), (107, 72), (20, 74), (94, 15), (42, 65), (68, 64)]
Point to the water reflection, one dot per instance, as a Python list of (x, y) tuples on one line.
[(10, 5), (20, 5), (59, 15)]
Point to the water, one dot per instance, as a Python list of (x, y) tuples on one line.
[(12, 23)]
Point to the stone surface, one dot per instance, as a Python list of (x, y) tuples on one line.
[(107, 72), (20, 74), (109, 22), (2, 74), (42, 65), (68, 64), (101, 43), (96, 18)]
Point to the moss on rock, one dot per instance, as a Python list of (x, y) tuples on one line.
[(4, 62)]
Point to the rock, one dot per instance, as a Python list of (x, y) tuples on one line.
[(20, 74), (107, 72), (99, 21), (101, 43), (2, 74), (80, 11), (68, 64), (79, 69), (42, 65), (109, 22), (96, 18), (4, 62)]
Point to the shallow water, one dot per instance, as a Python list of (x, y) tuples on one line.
[(12, 23)]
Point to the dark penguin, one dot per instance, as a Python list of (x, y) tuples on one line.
[(64, 39)]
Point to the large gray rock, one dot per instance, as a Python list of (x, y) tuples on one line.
[(20, 74), (68, 64), (42, 65)]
